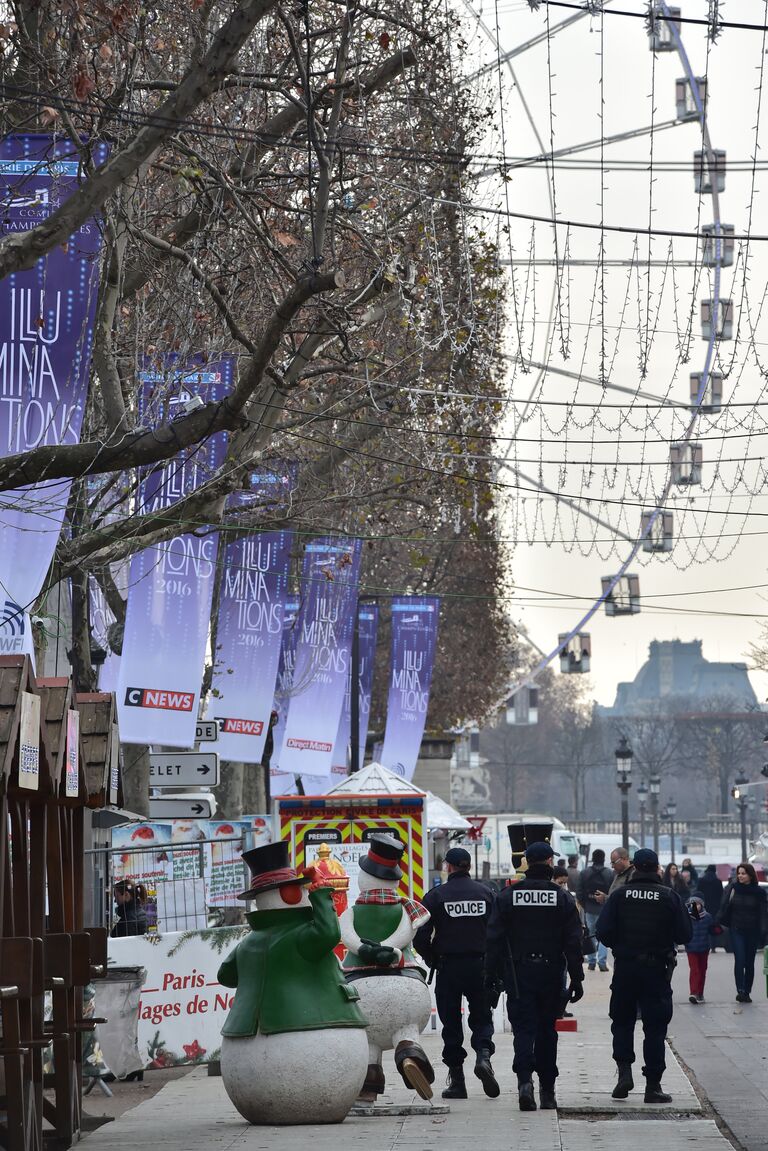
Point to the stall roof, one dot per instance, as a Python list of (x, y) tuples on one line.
[(375, 779)]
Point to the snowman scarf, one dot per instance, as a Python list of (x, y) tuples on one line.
[(383, 895)]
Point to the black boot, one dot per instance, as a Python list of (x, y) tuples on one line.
[(457, 1087), (547, 1100), (654, 1093), (625, 1082), (526, 1098), (484, 1073)]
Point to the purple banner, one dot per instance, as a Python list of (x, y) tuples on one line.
[(270, 485), (46, 332), (248, 641), (171, 585), (368, 623), (414, 640), (281, 782), (328, 603)]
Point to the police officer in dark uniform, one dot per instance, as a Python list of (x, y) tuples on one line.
[(453, 943), (534, 928), (642, 922)]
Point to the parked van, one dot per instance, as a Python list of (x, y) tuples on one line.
[(606, 843), (497, 850)]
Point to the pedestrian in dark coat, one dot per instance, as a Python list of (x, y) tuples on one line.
[(131, 917), (710, 888), (744, 911)]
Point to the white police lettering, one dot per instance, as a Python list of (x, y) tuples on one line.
[(465, 907), (533, 897), (632, 893)]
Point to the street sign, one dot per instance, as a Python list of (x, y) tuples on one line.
[(207, 731), (184, 769), (202, 806), (475, 833)]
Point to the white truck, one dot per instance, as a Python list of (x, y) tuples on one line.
[(497, 851)]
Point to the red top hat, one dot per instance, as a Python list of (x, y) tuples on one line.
[(269, 870), (383, 858)]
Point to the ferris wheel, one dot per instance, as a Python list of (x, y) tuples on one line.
[(624, 317)]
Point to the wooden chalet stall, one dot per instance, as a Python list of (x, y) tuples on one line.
[(56, 760)]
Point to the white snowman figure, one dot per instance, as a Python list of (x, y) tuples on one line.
[(378, 932), (294, 1018)]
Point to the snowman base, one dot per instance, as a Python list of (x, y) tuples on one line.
[(295, 1077)]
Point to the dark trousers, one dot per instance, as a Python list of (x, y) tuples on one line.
[(642, 987), (532, 1013), (744, 944), (462, 977), (697, 961)]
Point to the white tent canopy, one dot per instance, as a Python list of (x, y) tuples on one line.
[(375, 779)]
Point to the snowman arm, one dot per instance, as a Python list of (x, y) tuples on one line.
[(349, 936), (227, 975), (321, 934), (403, 934)]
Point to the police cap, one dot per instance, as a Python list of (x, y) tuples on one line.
[(539, 853), (645, 859), (458, 857)]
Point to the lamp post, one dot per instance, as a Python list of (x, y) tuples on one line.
[(671, 813), (740, 796), (623, 781), (655, 785), (642, 795)]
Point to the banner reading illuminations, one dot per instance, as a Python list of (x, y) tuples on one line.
[(248, 642), (328, 603), (46, 332), (280, 782), (414, 640), (171, 585)]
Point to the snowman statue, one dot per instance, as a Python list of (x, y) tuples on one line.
[(378, 932), (294, 1046)]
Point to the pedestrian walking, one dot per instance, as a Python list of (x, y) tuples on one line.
[(673, 879), (744, 911), (534, 928), (573, 874), (595, 881), (698, 946), (687, 865), (710, 888), (454, 943), (642, 922)]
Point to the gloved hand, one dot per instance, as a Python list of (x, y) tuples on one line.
[(377, 954), (493, 989), (575, 990)]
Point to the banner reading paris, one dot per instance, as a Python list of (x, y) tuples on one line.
[(414, 640), (46, 332), (328, 603), (254, 583), (171, 584)]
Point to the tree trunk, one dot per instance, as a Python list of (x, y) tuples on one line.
[(136, 778), (254, 802), (229, 793)]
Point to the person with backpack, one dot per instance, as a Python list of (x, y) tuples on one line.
[(597, 878), (744, 912)]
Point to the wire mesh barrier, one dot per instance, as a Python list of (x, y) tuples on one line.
[(186, 886)]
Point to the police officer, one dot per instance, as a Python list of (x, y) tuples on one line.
[(453, 943), (534, 929), (642, 922)]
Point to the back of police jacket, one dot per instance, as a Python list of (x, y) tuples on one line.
[(535, 917), (643, 918), (459, 910)]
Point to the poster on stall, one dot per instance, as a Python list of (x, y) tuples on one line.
[(171, 584), (325, 625), (140, 852), (46, 333)]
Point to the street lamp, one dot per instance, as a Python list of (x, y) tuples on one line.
[(623, 772), (742, 800), (671, 813), (655, 785), (642, 795)]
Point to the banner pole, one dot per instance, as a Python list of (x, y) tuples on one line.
[(354, 695)]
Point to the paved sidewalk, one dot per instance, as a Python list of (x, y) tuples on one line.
[(194, 1113)]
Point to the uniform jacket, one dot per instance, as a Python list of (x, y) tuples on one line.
[(534, 917), (643, 919), (286, 974), (459, 910)]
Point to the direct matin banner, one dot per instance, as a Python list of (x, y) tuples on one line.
[(249, 634), (171, 585), (280, 782), (326, 620), (46, 332), (414, 640)]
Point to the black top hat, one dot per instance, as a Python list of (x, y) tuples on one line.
[(383, 858), (270, 869)]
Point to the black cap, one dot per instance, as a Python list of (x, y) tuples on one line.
[(383, 858), (270, 868), (458, 857), (645, 860), (539, 852)]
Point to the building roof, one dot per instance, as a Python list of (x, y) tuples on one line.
[(678, 670)]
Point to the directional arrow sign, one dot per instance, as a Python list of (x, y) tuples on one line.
[(206, 731), (201, 806), (184, 769)]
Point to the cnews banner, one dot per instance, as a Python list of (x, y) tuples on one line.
[(414, 640)]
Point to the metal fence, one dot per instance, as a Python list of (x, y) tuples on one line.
[(189, 885)]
